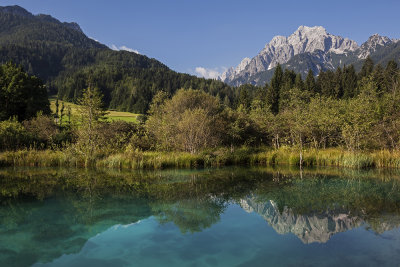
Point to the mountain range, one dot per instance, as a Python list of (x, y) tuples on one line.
[(310, 48)]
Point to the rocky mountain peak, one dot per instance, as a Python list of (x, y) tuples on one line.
[(373, 42), (277, 41), (308, 32), (376, 39), (234, 71), (281, 49), (243, 64)]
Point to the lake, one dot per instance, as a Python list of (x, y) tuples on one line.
[(209, 217)]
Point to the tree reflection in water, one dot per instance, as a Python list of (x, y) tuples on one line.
[(46, 213)]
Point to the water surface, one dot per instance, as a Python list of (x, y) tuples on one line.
[(225, 217)]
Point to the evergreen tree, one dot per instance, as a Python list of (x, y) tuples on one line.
[(310, 84), (69, 115), (21, 95), (261, 93), (338, 81), (62, 112), (378, 76), (288, 81), (244, 98), (367, 68), (349, 81), (298, 83), (273, 95), (391, 76), (326, 83), (57, 107)]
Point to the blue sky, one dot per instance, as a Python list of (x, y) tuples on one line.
[(214, 34)]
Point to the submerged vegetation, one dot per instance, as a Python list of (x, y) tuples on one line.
[(339, 119)]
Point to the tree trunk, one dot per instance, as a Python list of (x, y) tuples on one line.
[(277, 141), (301, 152)]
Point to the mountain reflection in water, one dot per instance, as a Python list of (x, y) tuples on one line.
[(317, 227), (47, 213)]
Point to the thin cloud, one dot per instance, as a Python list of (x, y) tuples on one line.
[(124, 48), (209, 73)]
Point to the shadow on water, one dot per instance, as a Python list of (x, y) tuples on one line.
[(47, 213)]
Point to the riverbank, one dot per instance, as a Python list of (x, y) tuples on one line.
[(213, 158)]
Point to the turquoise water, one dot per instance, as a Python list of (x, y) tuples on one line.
[(227, 217)]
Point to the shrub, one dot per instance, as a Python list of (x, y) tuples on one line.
[(42, 128), (13, 135)]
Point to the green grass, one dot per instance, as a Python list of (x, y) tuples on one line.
[(123, 116), (338, 157), (112, 115), (129, 159), (214, 158)]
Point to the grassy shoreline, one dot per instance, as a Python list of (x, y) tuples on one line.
[(216, 158)]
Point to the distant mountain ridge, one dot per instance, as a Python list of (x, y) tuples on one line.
[(16, 10), (18, 26), (307, 48), (19, 11)]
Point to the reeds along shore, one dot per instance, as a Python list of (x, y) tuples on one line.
[(214, 158)]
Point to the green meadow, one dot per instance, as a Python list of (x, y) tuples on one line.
[(111, 115)]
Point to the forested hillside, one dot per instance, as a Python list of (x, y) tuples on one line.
[(64, 58)]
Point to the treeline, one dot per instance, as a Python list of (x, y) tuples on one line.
[(132, 89), (344, 83), (128, 81), (360, 112), (341, 108)]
